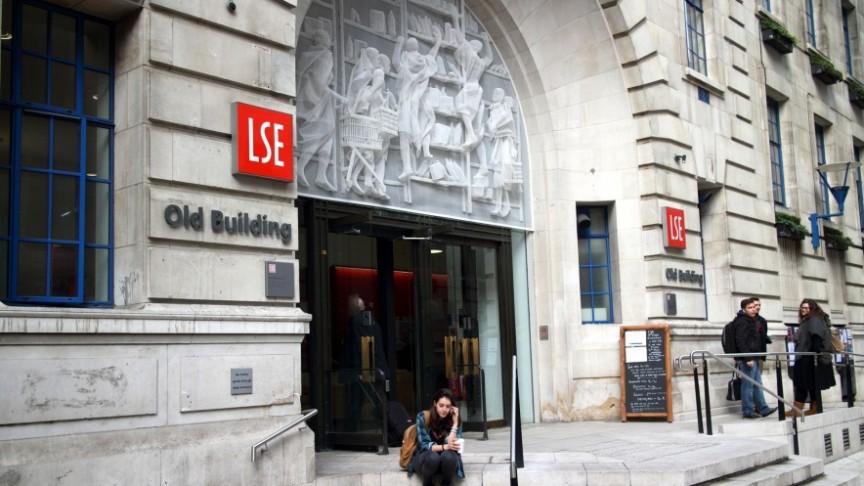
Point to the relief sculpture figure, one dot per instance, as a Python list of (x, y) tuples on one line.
[(469, 101), (416, 117), (503, 130), (316, 110)]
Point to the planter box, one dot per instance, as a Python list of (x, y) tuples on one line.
[(856, 99), (780, 44), (832, 246), (823, 75), (785, 232)]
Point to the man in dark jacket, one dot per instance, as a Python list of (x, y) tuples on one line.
[(749, 338)]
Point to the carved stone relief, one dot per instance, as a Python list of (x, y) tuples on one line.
[(407, 105)]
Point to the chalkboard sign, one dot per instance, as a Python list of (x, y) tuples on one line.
[(645, 376)]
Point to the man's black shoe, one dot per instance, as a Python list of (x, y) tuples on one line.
[(752, 416), (769, 412)]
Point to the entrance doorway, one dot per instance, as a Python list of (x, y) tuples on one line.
[(397, 316)]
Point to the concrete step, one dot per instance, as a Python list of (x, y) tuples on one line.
[(795, 470), (835, 479)]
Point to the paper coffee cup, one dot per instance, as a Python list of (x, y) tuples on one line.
[(461, 443)]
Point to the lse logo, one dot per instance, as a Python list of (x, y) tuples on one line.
[(674, 232), (263, 142)]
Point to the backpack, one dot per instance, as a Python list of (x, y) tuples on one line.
[(727, 338), (409, 443)]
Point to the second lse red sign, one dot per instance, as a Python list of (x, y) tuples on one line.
[(674, 233), (263, 142)]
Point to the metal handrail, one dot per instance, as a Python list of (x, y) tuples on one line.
[(305, 415)]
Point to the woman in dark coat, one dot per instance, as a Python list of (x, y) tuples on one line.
[(811, 374)]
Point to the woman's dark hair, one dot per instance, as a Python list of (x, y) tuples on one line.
[(815, 310), (439, 427)]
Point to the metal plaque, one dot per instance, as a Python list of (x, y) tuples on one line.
[(241, 381)]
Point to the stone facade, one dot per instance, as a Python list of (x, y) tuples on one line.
[(610, 107)]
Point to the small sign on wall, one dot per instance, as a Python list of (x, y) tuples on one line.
[(674, 230), (279, 280), (241, 381)]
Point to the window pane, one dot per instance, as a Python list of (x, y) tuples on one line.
[(96, 274), (32, 258), (4, 269), (64, 271), (98, 214), (96, 101), (34, 35), (97, 38), (585, 279), (598, 220), (67, 140), (7, 21), (98, 152), (33, 205), (65, 208), (4, 202), (600, 282), (598, 252), (62, 36), (587, 304), (5, 137), (602, 310), (33, 79), (583, 252), (5, 74), (63, 85), (34, 137)]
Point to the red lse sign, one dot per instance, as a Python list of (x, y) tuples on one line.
[(674, 233), (263, 142)]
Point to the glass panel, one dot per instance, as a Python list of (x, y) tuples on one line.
[(97, 39), (34, 75), (96, 274), (583, 252), (598, 220), (598, 252), (63, 86), (62, 36), (5, 74), (64, 221), (67, 140), (489, 324), (7, 21), (4, 269), (601, 307), (96, 100), (4, 202), (98, 152), (64, 271), (587, 307), (34, 136), (32, 274), (34, 33), (33, 206), (585, 279), (600, 280), (5, 137), (97, 216)]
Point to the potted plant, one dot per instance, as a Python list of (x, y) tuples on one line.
[(835, 239), (775, 35), (821, 67), (789, 226), (856, 92)]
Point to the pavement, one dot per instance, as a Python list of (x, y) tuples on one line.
[(632, 452)]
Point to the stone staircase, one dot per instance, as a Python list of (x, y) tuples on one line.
[(742, 452)]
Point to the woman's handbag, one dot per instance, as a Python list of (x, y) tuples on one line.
[(733, 388)]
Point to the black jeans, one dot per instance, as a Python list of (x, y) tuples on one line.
[(428, 463)]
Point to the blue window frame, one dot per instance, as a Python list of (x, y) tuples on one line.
[(695, 27), (766, 4), (847, 43), (595, 268), (857, 154), (809, 22), (774, 145), (821, 160), (56, 156)]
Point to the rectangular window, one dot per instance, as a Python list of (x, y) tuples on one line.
[(56, 126), (809, 22), (766, 4), (821, 160), (776, 154), (857, 155), (595, 268), (695, 30)]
